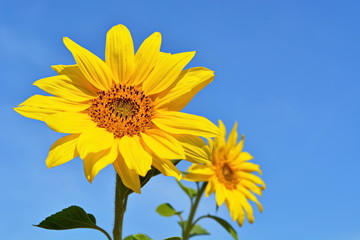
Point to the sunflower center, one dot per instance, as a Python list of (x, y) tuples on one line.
[(227, 173), (122, 110)]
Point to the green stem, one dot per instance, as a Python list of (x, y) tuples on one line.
[(104, 232), (121, 197), (189, 223)]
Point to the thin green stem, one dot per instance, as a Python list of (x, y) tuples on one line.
[(189, 223), (104, 232), (121, 197)]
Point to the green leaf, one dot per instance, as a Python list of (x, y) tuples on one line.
[(166, 210), (173, 238), (70, 218), (189, 191), (138, 237), (225, 225), (198, 230), (195, 230)]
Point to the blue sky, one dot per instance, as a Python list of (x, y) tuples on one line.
[(287, 71)]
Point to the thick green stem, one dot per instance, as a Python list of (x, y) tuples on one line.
[(121, 196), (189, 224)]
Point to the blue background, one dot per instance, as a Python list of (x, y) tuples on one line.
[(287, 71)]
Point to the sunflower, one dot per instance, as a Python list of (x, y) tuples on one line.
[(123, 111), (230, 175)]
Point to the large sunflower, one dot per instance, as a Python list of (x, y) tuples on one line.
[(124, 110), (230, 175)]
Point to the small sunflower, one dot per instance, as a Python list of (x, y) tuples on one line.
[(230, 175), (124, 110)]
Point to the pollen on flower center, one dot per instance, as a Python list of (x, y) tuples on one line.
[(227, 172), (226, 175), (122, 110)]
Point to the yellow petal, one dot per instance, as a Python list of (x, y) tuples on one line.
[(252, 178), (220, 194), (195, 148), (62, 151), (184, 123), (196, 177), (210, 187), (189, 83), (76, 76), (54, 103), (69, 122), (146, 58), (62, 86), (251, 196), (128, 176), (250, 167), (233, 136), (166, 167), (220, 140), (204, 169), (244, 156), (35, 112), (119, 55), (234, 152), (96, 161), (163, 144), (251, 186), (134, 154), (94, 69), (94, 140), (166, 72)]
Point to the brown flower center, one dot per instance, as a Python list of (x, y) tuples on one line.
[(122, 110)]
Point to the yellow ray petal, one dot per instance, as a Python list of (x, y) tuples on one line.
[(166, 72), (251, 186), (250, 167), (128, 176), (62, 86), (244, 156), (62, 151), (204, 169), (251, 196), (220, 194), (210, 187), (163, 144), (35, 112), (94, 69), (189, 83), (119, 55), (69, 122), (134, 154), (166, 167), (196, 177), (94, 140), (220, 140), (252, 178), (96, 161), (146, 58), (76, 76), (184, 123), (54, 103), (234, 152), (233, 136), (195, 148)]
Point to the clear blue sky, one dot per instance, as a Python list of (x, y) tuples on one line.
[(287, 71)]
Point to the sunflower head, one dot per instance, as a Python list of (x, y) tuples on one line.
[(230, 174), (124, 110)]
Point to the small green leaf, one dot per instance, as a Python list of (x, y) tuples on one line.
[(139, 236), (173, 238), (189, 191), (225, 225), (70, 218), (198, 230), (166, 210), (195, 230)]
